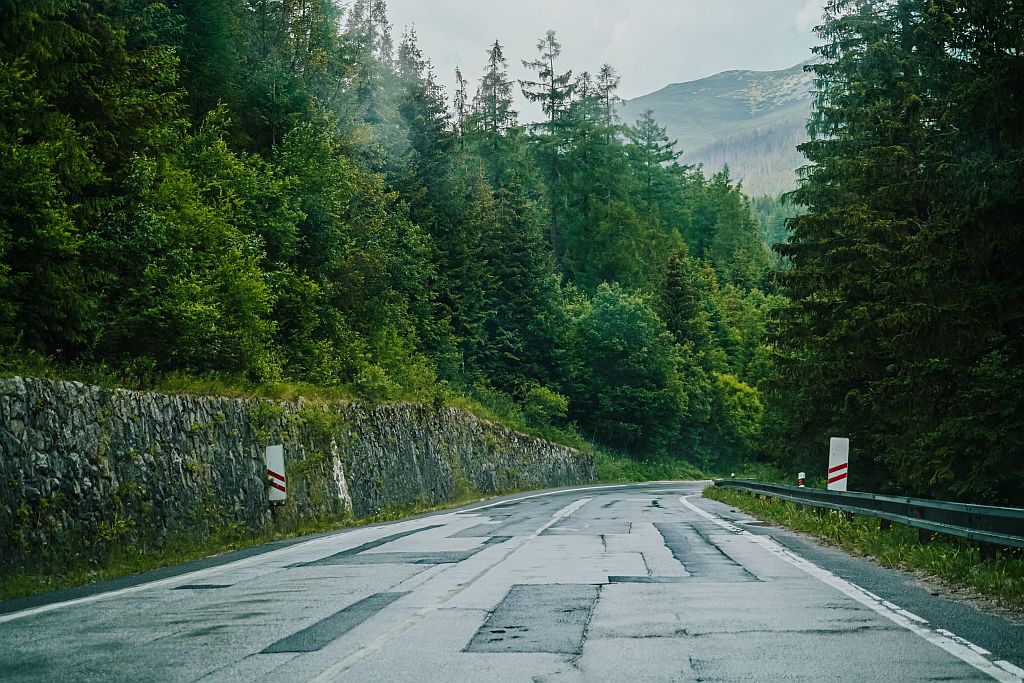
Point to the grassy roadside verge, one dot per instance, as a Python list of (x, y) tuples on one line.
[(950, 561), (614, 468), (128, 560)]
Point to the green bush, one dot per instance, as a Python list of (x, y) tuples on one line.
[(373, 383), (543, 407)]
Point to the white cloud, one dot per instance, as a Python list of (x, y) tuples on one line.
[(650, 42), (809, 16)]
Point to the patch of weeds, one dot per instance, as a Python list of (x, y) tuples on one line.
[(321, 423), (264, 418), (613, 468), (461, 486)]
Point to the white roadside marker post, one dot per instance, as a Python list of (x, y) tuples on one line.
[(278, 485), (800, 479), (838, 463)]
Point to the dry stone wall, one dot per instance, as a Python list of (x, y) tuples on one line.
[(86, 470)]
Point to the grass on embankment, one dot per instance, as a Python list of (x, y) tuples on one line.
[(953, 562), (125, 560), (613, 468), (483, 403)]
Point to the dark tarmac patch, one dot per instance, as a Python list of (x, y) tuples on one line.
[(315, 637), (201, 586), (207, 631), (424, 557), (334, 559), (700, 556), (485, 530), (538, 618), (649, 579)]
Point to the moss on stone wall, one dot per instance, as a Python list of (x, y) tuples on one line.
[(88, 472)]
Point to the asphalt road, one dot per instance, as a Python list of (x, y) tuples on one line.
[(638, 583)]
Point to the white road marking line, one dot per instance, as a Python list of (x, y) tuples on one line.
[(576, 490), (191, 577), (333, 673), (955, 645), (1007, 666), (963, 641)]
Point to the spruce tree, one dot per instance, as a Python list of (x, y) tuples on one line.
[(651, 150), (903, 306), (494, 114), (554, 92)]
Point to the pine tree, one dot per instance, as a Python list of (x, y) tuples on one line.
[(371, 51), (901, 288), (679, 302), (554, 93), (607, 87), (651, 149), (494, 116), (44, 162), (367, 23), (493, 102), (461, 105), (211, 54), (552, 89)]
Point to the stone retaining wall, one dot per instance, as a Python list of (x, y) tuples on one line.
[(84, 470)]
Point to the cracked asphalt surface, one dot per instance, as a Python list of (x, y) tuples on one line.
[(639, 583)]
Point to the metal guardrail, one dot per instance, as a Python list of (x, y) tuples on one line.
[(997, 526)]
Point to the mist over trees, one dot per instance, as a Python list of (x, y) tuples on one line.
[(280, 191), (274, 190)]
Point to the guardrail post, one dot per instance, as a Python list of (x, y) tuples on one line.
[(849, 517), (924, 536), (884, 524), (987, 551)]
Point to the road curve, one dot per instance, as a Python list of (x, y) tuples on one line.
[(638, 583)]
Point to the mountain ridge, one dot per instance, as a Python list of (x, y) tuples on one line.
[(750, 120)]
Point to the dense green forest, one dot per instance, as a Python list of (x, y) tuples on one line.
[(904, 319), (280, 191)]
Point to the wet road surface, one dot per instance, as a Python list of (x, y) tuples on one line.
[(638, 583)]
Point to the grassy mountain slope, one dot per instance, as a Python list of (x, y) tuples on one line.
[(751, 120)]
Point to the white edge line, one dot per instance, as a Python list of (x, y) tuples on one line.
[(238, 564), (955, 645), (1007, 666)]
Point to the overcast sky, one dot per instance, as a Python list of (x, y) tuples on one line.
[(652, 43)]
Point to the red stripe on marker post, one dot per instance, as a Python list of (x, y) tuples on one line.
[(833, 470), (275, 485), (838, 477), (275, 475)]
